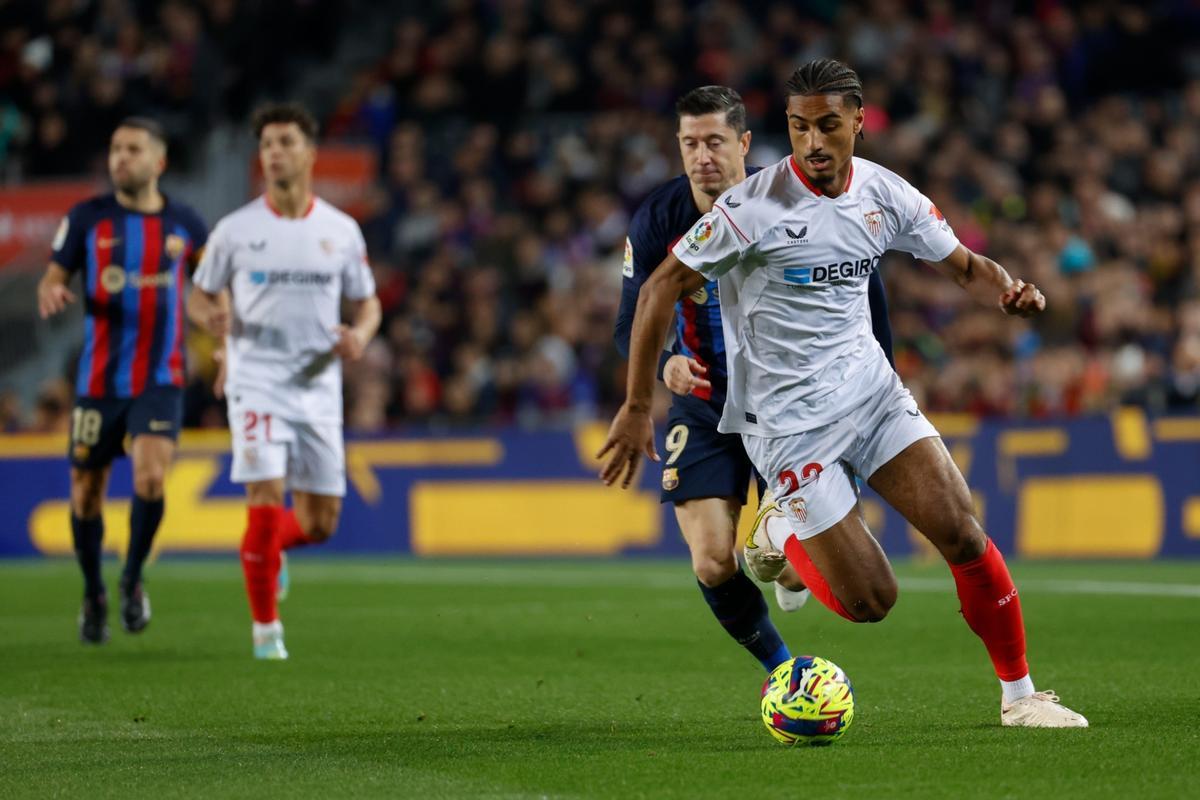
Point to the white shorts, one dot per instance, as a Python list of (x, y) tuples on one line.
[(309, 457), (812, 473)]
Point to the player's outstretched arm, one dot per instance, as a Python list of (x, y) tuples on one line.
[(52, 292), (365, 316), (632, 432), (990, 283), (209, 310)]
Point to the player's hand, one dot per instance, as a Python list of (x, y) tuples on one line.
[(218, 357), (682, 375), (631, 435), (1022, 300), (350, 343), (216, 322), (53, 298)]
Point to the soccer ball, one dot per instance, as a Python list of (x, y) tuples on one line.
[(807, 700)]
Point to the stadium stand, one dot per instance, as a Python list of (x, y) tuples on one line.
[(514, 140)]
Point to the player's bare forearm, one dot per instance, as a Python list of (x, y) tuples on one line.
[(990, 284), (364, 322), (631, 434), (655, 310), (365, 316), (52, 292)]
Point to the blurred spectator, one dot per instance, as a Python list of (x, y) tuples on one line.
[(52, 409), (70, 69), (10, 412)]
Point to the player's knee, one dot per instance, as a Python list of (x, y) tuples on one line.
[(869, 610), (320, 524), (712, 569), (87, 498), (86, 503), (965, 539), (874, 605), (322, 530), (264, 493), (148, 482)]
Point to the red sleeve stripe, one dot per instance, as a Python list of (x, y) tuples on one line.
[(731, 222)]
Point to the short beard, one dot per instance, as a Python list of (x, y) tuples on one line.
[(713, 193), (131, 188)]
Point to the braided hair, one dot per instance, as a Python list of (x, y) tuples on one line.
[(826, 76)]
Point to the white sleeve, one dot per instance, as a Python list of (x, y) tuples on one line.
[(713, 246), (923, 231), (216, 262), (358, 283)]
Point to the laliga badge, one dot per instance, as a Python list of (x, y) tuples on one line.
[(670, 479), (699, 235)]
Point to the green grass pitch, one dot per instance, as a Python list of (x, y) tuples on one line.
[(574, 679)]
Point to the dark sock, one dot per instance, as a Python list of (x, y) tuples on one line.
[(740, 608), (88, 535), (144, 517)]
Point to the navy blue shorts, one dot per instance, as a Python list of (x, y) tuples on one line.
[(700, 461), (99, 424)]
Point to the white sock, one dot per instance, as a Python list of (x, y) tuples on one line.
[(1015, 690), (262, 630)]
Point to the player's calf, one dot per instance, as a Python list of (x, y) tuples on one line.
[(87, 492), (316, 517), (709, 527)]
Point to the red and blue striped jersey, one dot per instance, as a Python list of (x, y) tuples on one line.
[(663, 218), (133, 267)]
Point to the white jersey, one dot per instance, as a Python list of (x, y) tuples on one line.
[(287, 277), (792, 267)]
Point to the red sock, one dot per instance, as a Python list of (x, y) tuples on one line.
[(290, 533), (812, 578), (993, 611), (260, 560)]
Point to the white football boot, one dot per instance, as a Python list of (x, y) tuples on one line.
[(787, 600), (268, 641), (1039, 710)]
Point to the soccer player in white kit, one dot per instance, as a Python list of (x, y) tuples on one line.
[(288, 258), (810, 391)]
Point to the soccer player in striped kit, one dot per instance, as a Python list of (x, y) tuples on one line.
[(132, 247)]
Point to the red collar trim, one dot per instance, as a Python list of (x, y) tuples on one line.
[(809, 185), (312, 202)]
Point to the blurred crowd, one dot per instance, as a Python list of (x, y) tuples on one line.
[(516, 138), (1060, 139), (71, 69)]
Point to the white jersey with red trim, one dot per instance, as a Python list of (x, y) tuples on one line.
[(792, 265), (287, 277)]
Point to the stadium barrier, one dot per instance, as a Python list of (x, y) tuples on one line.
[(1122, 486)]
